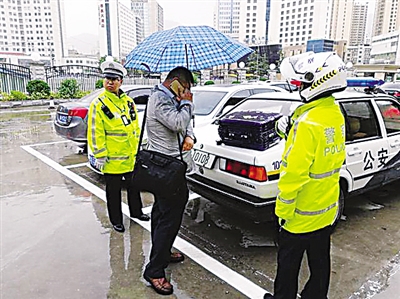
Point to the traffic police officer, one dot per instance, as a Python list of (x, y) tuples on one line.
[(113, 137), (307, 203)]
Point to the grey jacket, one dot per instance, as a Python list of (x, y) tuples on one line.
[(165, 118)]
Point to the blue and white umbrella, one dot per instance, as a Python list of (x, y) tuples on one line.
[(195, 47)]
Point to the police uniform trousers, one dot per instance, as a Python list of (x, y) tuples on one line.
[(114, 184), (317, 246), (166, 219)]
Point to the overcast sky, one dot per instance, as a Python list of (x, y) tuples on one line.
[(81, 16)]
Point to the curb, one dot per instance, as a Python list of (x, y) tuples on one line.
[(31, 103)]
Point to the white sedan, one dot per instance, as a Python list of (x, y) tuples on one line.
[(246, 179)]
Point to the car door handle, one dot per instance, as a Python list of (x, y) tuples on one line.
[(396, 143), (354, 152)]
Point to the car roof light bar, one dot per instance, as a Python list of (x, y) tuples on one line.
[(364, 82)]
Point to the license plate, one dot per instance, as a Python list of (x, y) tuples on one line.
[(203, 159), (63, 118), (92, 160)]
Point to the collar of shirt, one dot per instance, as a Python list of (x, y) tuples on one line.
[(166, 90)]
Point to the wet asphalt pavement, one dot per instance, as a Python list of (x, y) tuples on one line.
[(57, 242)]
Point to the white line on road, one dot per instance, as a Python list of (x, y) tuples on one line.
[(77, 165), (234, 279)]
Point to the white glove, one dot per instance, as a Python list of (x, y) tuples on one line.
[(100, 162), (282, 126)]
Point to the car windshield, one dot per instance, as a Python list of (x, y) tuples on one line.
[(91, 96), (284, 107), (206, 100)]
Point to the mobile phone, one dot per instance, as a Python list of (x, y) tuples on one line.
[(177, 88)]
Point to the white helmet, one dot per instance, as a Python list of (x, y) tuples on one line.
[(321, 74)]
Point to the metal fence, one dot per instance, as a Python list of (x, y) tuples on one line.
[(13, 77), (86, 76)]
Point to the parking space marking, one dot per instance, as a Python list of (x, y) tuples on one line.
[(77, 165), (231, 277)]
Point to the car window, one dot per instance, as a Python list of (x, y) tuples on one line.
[(140, 96), (360, 119), (242, 94), (391, 115), (206, 100), (262, 90)]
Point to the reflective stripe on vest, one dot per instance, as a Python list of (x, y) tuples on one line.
[(313, 213), (116, 134), (118, 158), (324, 175), (287, 201), (96, 150)]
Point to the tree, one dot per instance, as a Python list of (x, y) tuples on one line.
[(257, 64)]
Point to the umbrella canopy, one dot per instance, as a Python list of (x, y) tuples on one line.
[(195, 47)]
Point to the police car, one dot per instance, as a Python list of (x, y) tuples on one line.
[(246, 179)]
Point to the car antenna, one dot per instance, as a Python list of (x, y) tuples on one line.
[(290, 89)]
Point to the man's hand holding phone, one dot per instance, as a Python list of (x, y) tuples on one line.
[(181, 92)]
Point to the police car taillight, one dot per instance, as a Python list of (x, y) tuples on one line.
[(78, 111), (364, 82), (256, 173)]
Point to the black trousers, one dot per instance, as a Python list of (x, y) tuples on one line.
[(166, 219), (317, 246), (114, 185)]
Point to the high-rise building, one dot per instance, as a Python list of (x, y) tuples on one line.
[(358, 24), (341, 20), (295, 22), (387, 17), (151, 14), (252, 22), (33, 26), (227, 18), (117, 29)]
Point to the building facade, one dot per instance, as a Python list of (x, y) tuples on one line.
[(387, 17), (252, 22), (117, 29), (150, 13), (385, 49), (33, 26), (227, 17), (358, 24)]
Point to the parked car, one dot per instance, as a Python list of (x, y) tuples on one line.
[(392, 88), (71, 118), (212, 100), (246, 179)]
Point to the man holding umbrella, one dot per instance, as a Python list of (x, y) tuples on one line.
[(169, 114)]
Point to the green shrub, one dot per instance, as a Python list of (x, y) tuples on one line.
[(38, 87), (99, 84), (69, 88), (38, 96), (6, 97), (263, 79), (81, 94), (55, 95), (18, 95), (235, 82), (209, 82)]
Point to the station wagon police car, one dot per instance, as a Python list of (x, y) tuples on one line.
[(246, 179)]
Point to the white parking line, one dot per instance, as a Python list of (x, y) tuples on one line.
[(77, 165), (234, 279)]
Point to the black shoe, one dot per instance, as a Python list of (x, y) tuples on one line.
[(119, 228), (142, 217), (268, 296)]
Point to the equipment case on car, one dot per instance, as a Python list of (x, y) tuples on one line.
[(249, 129)]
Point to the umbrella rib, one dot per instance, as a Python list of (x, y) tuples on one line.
[(193, 57), (225, 52)]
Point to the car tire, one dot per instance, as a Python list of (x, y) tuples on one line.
[(340, 208)]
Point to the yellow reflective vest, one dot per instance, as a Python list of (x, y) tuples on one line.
[(309, 174), (116, 138)]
